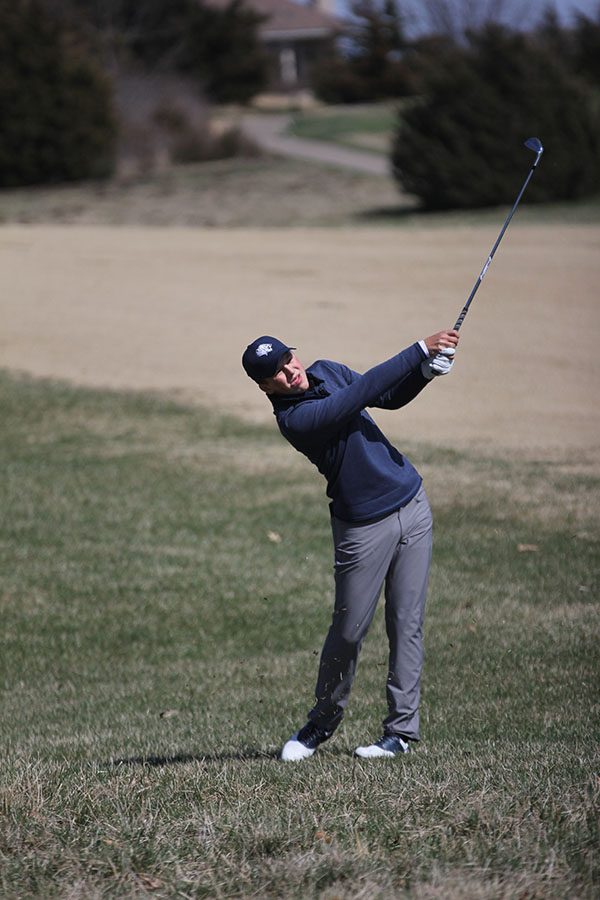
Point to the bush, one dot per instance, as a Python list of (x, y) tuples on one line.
[(163, 121), (55, 113), (587, 48), (462, 146), (187, 142), (336, 82), (346, 81), (578, 47)]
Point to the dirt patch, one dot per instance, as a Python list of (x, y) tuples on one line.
[(172, 309)]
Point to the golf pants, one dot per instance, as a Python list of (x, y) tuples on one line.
[(395, 552)]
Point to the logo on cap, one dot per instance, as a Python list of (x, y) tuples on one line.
[(264, 349)]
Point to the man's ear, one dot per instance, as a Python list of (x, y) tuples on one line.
[(264, 386)]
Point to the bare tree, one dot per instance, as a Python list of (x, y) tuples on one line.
[(454, 18)]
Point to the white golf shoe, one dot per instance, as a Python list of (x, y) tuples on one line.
[(303, 743), (388, 745)]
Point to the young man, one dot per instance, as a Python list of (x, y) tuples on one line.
[(380, 516)]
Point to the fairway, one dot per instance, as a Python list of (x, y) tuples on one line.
[(172, 310), (166, 569)]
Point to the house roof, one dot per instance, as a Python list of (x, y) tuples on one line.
[(287, 19)]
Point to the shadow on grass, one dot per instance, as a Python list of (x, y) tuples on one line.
[(178, 759), (406, 212), (413, 213), (389, 214)]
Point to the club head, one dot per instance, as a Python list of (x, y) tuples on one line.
[(534, 144)]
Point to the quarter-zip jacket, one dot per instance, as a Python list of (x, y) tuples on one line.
[(367, 478)]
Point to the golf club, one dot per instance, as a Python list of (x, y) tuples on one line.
[(534, 144)]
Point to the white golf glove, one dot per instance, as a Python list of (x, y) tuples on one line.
[(440, 364)]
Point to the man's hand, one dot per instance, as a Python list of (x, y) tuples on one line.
[(441, 347), (440, 364), (441, 340)]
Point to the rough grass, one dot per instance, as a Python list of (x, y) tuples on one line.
[(262, 192), (165, 587), (258, 193)]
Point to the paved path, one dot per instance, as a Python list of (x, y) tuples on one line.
[(267, 131)]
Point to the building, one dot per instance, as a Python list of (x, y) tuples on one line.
[(296, 38)]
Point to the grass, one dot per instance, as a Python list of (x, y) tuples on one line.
[(263, 192), (256, 193), (362, 127), (159, 645)]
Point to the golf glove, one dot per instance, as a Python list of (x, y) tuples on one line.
[(440, 364)]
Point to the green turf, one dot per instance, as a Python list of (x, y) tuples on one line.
[(158, 645), (366, 127)]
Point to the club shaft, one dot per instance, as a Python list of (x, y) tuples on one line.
[(488, 261)]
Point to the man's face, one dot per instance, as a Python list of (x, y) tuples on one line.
[(290, 377)]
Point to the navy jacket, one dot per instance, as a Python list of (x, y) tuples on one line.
[(367, 478)]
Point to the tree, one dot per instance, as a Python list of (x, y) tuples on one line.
[(223, 51), (577, 47), (587, 47), (461, 146), (216, 45), (56, 122), (372, 68), (377, 36), (556, 39), (454, 19)]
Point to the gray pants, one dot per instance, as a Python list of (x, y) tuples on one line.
[(396, 551)]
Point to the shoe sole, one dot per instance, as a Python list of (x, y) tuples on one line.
[(294, 751), (378, 753), (367, 753)]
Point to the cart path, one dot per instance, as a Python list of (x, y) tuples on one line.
[(267, 131)]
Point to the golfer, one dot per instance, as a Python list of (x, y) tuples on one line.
[(380, 517)]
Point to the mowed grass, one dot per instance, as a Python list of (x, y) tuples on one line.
[(165, 588), (361, 126)]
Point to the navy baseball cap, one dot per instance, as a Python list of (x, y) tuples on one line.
[(261, 358)]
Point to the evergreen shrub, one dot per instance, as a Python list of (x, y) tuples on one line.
[(461, 145), (56, 122), (336, 81)]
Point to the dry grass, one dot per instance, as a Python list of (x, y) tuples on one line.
[(228, 193), (158, 647), (247, 191)]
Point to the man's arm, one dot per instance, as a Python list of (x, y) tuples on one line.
[(414, 382), (320, 418), (403, 392)]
